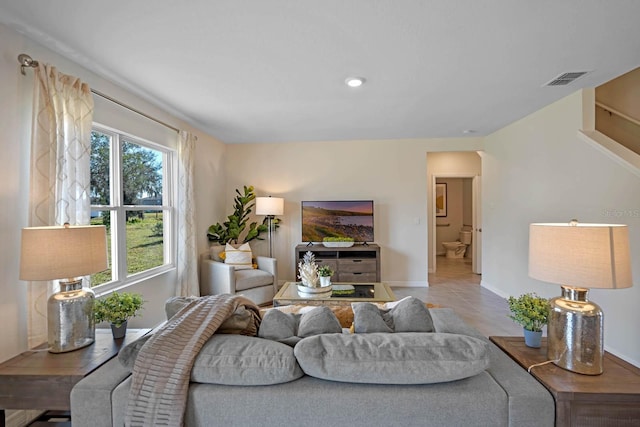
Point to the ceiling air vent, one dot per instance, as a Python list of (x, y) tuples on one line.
[(566, 78)]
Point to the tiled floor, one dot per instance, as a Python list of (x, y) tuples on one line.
[(454, 285)]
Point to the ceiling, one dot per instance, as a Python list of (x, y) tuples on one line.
[(274, 70)]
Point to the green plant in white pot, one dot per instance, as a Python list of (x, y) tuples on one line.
[(532, 313), (325, 272), (117, 309)]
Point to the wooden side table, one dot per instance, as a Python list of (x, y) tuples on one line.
[(37, 379), (609, 399)]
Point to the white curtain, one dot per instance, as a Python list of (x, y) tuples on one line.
[(60, 174), (187, 253)]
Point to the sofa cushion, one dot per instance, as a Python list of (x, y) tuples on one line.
[(240, 257), (242, 360), (400, 358), (407, 315), (289, 328)]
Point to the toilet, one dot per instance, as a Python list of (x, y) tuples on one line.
[(458, 248)]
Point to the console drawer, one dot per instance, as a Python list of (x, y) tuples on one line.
[(357, 265)]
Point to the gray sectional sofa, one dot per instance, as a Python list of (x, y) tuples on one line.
[(269, 388)]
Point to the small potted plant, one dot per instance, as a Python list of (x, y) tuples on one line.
[(116, 309), (532, 312), (325, 272)]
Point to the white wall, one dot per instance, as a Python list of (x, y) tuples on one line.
[(538, 170), (15, 122), (392, 173)]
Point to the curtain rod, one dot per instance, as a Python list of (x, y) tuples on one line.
[(26, 61)]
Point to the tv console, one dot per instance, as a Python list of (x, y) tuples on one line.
[(358, 263)]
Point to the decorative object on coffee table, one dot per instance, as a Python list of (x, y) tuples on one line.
[(116, 309), (579, 257), (531, 312), (308, 271), (291, 293)]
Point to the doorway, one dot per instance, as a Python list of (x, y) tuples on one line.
[(460, 212), (462, 196)]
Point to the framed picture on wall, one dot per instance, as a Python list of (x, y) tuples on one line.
[(441, 200)]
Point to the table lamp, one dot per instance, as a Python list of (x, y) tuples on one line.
[(270, 206), (64, 253), (578, 257)]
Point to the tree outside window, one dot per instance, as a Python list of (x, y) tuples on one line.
[(128, 196)]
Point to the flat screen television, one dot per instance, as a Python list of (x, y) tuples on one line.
[(342, 218)]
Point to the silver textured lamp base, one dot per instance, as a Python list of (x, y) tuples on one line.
[(70, 318), (575, 332)]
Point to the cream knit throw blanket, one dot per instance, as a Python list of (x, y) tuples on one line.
[(160, 378)]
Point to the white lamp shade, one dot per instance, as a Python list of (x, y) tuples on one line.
[(580, 255), (269, 206), (50, 253)]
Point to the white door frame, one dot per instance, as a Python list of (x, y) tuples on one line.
[(476, 246)]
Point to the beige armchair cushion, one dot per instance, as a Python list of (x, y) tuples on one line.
[(249, 279)]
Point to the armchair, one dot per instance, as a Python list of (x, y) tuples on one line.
[(259, 285)]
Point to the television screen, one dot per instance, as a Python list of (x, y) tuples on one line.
[(345, 218)]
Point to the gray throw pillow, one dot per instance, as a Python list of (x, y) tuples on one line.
[(401, 358), (174, 304), (411, 315), (368, 318), (320, 320), (289, 328), (279, 326), (407, 315)]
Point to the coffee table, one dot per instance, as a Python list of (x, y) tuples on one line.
[(366, 292)]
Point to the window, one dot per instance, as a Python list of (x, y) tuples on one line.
[(131, 196)]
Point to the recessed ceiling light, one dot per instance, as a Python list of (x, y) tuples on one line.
[(355, 81), (468, 131)]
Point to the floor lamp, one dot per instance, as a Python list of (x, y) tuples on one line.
[(270, 207), (578, 257)]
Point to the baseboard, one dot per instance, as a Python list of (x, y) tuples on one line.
[(413, 284), (486, 285)]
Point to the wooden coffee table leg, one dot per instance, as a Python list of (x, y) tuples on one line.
[(2, 418)]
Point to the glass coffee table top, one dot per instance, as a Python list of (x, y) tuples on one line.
[(341, 294)]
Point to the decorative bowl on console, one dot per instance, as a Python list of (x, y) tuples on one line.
[(337, 242)]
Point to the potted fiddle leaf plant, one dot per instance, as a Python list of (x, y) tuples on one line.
[(116, 309), (532, 313)]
